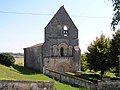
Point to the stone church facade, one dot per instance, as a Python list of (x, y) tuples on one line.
[(60, 51)]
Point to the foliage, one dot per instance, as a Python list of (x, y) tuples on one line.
[(116, 17), (84, 66), (6, 59), (97, 55), (89, 76), (109, 74), (115, 49)]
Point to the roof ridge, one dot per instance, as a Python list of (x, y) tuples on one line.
[(36, 45)]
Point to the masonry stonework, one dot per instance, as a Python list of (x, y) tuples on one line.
[(60, 51), (26, 85)]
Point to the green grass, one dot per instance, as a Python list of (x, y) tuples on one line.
[(19, 61), (18, 72)]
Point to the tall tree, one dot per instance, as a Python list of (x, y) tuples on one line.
[(98, 54), (84, 66), (115, 49), (116, 17)]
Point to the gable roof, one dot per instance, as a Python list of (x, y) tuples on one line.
[(60, 16)]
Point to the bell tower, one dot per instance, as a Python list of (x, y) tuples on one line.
[(61, 39)]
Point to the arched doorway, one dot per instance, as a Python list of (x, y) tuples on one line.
[(62, 51), (62, 67)]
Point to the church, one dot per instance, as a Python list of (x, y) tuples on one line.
[(60, 51)]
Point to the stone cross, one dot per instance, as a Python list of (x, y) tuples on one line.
[(119, 64)]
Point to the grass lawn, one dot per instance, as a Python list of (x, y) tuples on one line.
[(18, 72), (19, 61)]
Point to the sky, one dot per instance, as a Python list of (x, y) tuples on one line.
[(25, 26)]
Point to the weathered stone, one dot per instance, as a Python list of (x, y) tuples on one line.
[(60, 51), (26, 85), (109, 85), (72, 80)]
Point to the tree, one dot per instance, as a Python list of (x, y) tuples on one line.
[(115, 49), (116, 17), (97, 54), (6, 59), (84, 66)]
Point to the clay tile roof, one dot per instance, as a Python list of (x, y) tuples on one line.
[(36, 45)]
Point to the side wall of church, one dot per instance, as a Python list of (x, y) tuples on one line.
[(33, 58)]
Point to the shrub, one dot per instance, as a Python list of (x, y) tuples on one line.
[(6, 59), (89, 76)]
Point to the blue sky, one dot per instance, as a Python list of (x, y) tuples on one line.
[(92, 17)]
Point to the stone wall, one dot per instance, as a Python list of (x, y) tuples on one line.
[(109, 85), (56, 63), (26, 85), (71, 80), (101, 85), (33, 58), (54, 34), (55, 28), (77, 58)]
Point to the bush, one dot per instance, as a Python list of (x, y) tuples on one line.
[(6, 59), (90, 76)]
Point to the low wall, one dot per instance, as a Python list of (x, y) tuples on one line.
[(71, 80), (26, 85), (109, 85), (100, 85)]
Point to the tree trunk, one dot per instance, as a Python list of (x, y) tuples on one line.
[(102, 73), (117, 70)]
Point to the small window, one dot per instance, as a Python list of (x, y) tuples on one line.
[(62, 51), (65, 30), (65, 27)]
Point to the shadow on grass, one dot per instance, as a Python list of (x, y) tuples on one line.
[(23, 70)]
